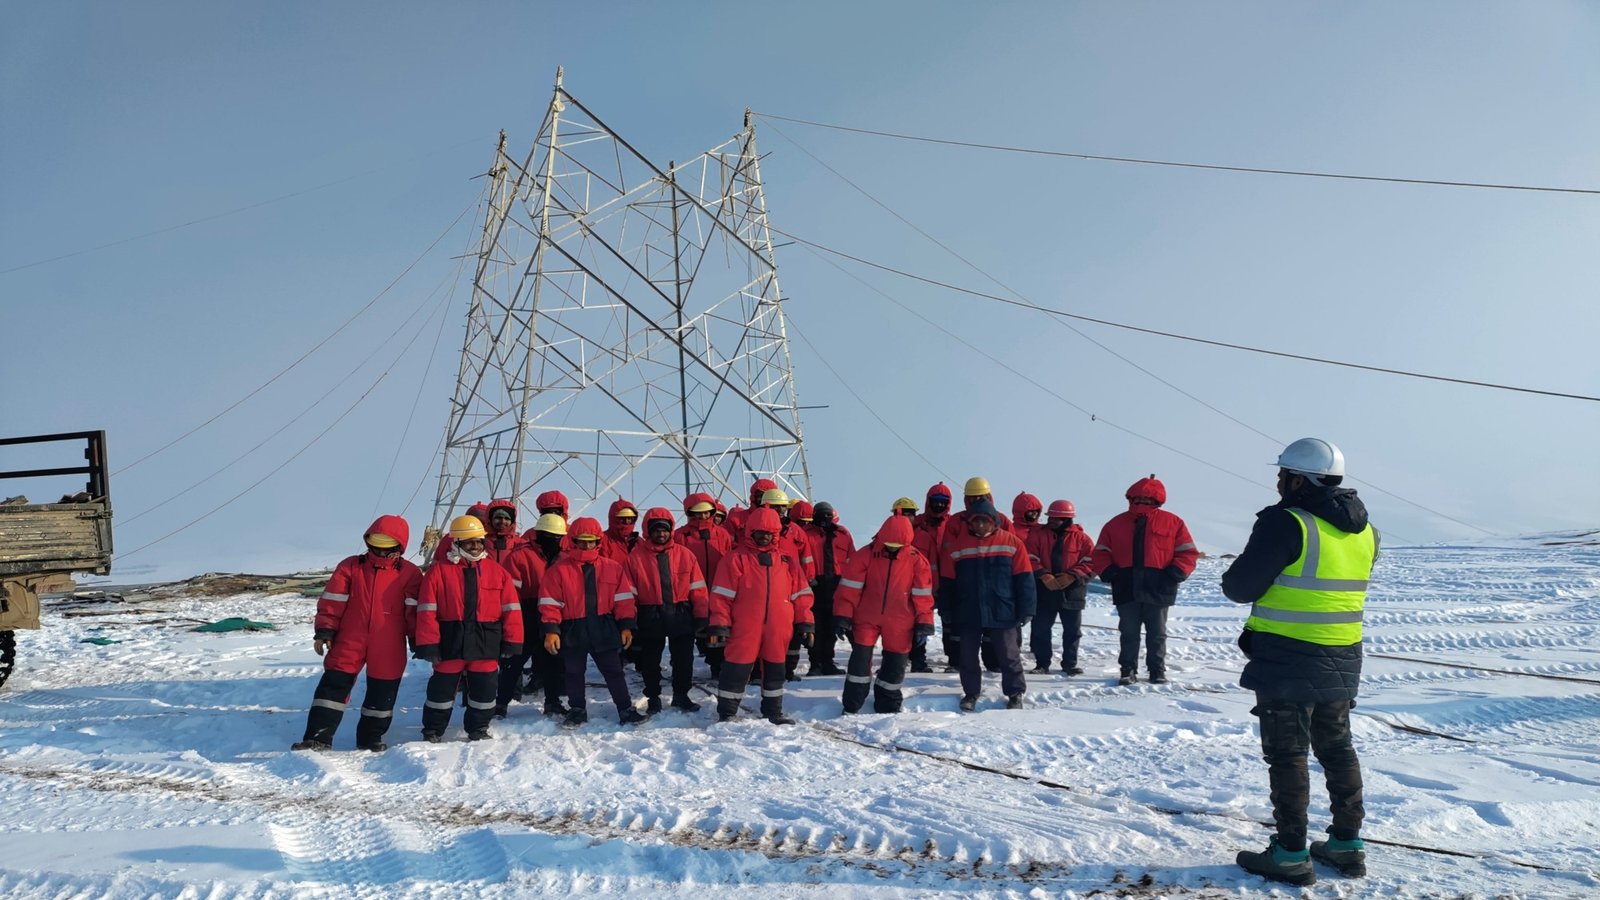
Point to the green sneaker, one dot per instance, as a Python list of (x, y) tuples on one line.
[(1349, 857), (1279, 864)]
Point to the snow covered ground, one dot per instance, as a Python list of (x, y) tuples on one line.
[(158, 766)]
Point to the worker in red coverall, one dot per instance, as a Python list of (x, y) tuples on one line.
[(832, 546), (503, 537), (468, 618), (709, 543), (479, 511), (719, 513), (1025, 512), (795, 541), (1144, 554), (587, 608), (620, 537), (929, 528), (759, 601), (886, 591), (671, 592), (522, 674), (1060, 553), (552, 502), (365, 616)]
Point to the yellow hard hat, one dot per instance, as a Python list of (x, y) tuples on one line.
[(551, 523), (904, 503), (703, 506), (775, 497), (977, 486), (466, 528), (381, 541), (894, 546)]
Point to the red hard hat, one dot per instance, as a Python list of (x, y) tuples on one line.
[(1062, 509)]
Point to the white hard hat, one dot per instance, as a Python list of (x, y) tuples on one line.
[(1312, 456)]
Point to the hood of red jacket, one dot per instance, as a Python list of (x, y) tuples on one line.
[(761, 519), (618, 525), (939, 490), (505, 505), (655, 513), (393, 526), (1147, 489), (761, 486), (479, 511), (552, 498), (801, 511), (895, 530), (1024, 502), (698, 498)]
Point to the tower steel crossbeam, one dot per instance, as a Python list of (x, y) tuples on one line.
[(625, 332)]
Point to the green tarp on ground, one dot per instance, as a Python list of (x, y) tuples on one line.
[(237, 624)]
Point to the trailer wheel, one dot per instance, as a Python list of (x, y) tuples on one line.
[(8, 655)]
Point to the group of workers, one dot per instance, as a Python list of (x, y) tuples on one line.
[(753, 588)]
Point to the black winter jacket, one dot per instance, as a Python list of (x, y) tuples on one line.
[(1282, 668)]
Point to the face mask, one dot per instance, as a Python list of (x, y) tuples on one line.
[(588, 552), (1061, 524), (549, 544)]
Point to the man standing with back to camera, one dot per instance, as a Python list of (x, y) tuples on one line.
[(1305, 571)]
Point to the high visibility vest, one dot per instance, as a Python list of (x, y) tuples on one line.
[(1319, 597)]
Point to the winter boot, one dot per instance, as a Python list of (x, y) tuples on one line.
[(575, 717), (482, 734), (1074, 670), (772, 709), (501, 710), (1349, 857), (969, 703), (1279, 864), (319, 746), (1158, 677), (433, 737), (1128, 677), (374, 747), (682, 702), (630, 716), (555, 708), (1040, 669), (652, 705), (1014, 701)]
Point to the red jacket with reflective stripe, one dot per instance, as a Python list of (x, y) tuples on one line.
[(368, 610), (561, 597), (442, 600), (801, 546), (892, 593), (708, 549), (526, 567), (844, 547), (688, 583), (1075, 553), (1168, 548)]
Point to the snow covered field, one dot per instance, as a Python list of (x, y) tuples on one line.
[(159, 767)]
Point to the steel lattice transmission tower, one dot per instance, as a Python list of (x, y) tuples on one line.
[(626, 331)]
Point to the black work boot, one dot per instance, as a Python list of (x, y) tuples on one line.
[(318, 746), (1128, 677), (772, 709), (681, 701), (1279, 864), (1349, 857)]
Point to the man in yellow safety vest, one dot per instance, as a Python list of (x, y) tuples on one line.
[(1305, 571)]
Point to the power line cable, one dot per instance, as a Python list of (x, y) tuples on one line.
[(1180, 337), (298, 416), (222, 215), (1065, 324), (864, 404), (304, 356), (1063, 154), (320, 435), (422, 383)]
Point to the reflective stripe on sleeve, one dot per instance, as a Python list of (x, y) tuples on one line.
[(550, 601), (427, 607), (337, 598), (697, 585), (1182, 547), (411, 601), (724, 591), (851, 583), (922, 592)]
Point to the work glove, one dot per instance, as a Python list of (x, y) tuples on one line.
[(552, 643), (1110, 574), (509, 650), (842, 627), (320, 645), (716, 640), (427, 653), (921, 634), (808, 638), (627, 638), (700, 626), (1023, 622), (1176, 574)]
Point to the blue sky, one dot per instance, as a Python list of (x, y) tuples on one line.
[(123, 119)]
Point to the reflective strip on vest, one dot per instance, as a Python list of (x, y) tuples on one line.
[(1316, 599)]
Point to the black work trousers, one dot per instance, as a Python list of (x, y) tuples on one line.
[(886, 693), (332, 697), (1152, 620), (609, 662), (647, 661), (731, 684), (442, 687), (1006, 645), (1288, 730), (1041, 638)]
